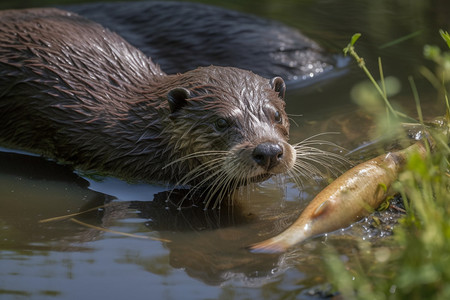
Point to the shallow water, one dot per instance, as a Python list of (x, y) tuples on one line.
[(197, 254)]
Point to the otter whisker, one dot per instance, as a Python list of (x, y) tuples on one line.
[(312, 161), (225, 184), (310, 146), (293, 121), (294, 115), (318, 134), (199, 171), (326, 159), (295, 176), (306, 170), (321, 155), (194, 175), (290, 116), (219, 184), (236, 182), (241, 180), (221, 187), (215, 176), (313, 165)]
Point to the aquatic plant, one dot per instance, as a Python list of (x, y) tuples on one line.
[(415, 262)]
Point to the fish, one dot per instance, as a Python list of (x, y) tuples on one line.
[(351, 197)]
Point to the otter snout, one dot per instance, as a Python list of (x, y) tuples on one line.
[(268, 155)]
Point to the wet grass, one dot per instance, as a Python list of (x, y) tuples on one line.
[(415, 262)]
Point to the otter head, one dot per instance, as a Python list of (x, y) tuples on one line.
[(229, 126)]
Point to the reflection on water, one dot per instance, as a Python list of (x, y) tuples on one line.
[(201, 253), (207, 245)]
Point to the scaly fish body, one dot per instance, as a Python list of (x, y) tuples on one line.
[(349, 198)]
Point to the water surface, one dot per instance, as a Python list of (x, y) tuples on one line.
[(197, 254)]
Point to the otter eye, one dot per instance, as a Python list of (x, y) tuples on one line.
[(278, 117), (221, 124)]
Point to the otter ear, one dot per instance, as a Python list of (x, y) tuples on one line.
[(277, 84), (177, 98)]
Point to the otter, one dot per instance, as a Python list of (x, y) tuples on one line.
[(181, 36), (76, 92)]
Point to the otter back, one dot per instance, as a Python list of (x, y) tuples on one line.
[(181, 36), (52, 62), (72, 90)]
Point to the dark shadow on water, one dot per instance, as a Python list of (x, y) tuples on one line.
[(208, 244)]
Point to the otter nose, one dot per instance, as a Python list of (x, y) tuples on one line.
[(267, 155)]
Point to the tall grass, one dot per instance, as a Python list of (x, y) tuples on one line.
[(415, 262)]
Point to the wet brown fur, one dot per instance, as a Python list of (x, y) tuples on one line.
[(72, 90)]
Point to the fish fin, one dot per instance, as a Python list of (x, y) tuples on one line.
[(321, 209), (270, 246)]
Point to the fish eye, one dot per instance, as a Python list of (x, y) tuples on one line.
[(277, 117), (221, 124)]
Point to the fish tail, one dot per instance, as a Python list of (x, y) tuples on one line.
[(267, 246), (276, 244)]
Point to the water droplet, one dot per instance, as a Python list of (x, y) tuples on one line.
[(393, 289)]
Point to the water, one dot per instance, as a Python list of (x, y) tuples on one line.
[(195, 254)]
